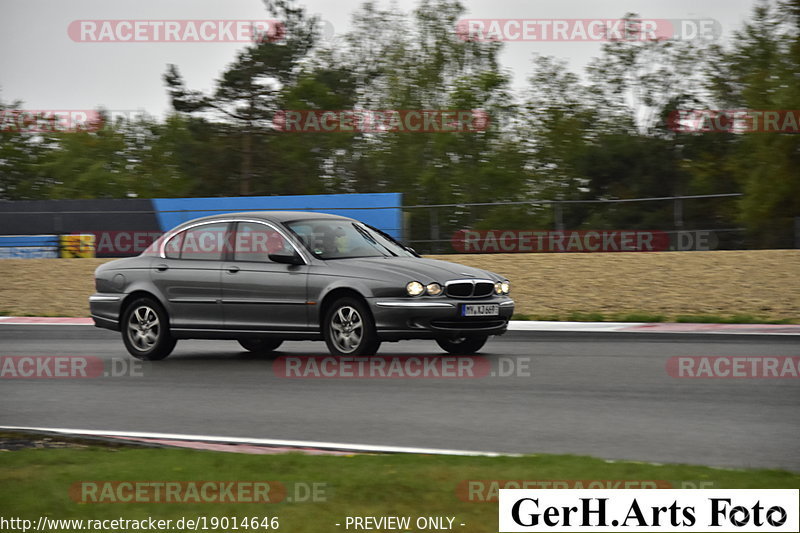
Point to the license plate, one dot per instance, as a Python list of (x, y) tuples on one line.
[(480, 310)]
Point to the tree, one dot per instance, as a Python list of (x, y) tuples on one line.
[(759, 72), (21, 155), (247, 92)]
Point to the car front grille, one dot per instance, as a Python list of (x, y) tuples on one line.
[(483, 288), (459, 290), (469, 288)]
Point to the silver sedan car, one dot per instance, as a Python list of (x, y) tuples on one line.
[(268, 276)]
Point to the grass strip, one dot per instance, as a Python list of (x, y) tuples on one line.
[(36, 482)]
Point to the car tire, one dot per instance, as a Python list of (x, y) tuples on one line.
[(462, 345), (145, 330), (349, 329), (260, 346)]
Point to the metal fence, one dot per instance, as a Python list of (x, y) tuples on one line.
[(434, 232), (437, 228)]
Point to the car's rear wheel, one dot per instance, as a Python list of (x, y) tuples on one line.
[(261, 346), (349, 329), (145, 330), (462, 345)]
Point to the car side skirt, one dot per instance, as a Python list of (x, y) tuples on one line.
[(234, 334)]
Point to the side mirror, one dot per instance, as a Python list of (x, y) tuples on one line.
[(287, 259)]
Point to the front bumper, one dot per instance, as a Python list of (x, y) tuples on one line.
[(425, 318)]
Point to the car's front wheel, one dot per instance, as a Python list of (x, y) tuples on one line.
[(349, 329), (461, 345), (260, 346), (145, 330)]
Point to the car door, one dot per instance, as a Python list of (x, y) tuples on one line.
[(189, 275), (259, 294)]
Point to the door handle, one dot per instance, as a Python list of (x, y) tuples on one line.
[(233, 269), (162, 267)]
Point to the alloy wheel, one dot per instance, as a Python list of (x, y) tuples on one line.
[(347, 329), (143, 328)]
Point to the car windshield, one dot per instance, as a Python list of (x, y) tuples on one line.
[(344, 239)]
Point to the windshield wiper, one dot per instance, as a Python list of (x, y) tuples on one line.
[(364, 233), (393, 241)]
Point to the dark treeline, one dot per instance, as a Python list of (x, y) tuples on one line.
[(602, 134)]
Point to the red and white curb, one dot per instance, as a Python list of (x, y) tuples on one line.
[(247, 445), (740, 329), (656, 327), (46, 320), (525, 325)]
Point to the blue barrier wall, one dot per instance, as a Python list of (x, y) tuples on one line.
[(29, 240), (28, 246), (173, 211)]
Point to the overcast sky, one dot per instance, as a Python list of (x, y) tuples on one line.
[(41, 65)]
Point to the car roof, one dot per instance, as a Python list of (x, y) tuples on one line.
[(272, 216)]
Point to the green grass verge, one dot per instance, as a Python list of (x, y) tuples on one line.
[(36, 482), (734, 319), (577, 316)]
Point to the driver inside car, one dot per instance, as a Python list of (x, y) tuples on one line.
[(331, 242)]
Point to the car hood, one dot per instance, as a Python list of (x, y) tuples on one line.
[(411, 269), (125, 263)]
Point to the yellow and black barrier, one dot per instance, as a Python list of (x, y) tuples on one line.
[(77, 246)]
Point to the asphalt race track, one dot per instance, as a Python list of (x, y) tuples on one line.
[(607, 395)]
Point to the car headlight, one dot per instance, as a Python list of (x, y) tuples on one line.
[(415, 288), (505, 287), (434, 289), (498, 288)]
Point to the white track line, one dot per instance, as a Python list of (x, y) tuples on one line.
[(259, 442), (536, 325)]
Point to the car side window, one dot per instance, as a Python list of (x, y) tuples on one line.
[(207, 242), (305, 233), (172, 250), (254, 242)]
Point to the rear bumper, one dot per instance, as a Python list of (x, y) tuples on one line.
[(104, 309), (428, 318)]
